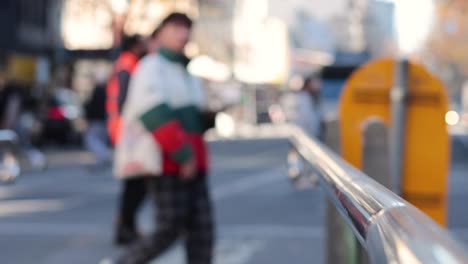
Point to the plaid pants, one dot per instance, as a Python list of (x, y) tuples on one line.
[(183, 209)]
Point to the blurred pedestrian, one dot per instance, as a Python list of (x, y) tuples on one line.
[(303, 107), (133, 190), (95, 138), (10, 105), (14, 117), (167, 102)]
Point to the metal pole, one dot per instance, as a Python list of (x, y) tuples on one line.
[(398, 97), (375, 162), (252, 93), (342, 245)]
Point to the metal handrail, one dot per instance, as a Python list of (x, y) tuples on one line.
[(389, 228)]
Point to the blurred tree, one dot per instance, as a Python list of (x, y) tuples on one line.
[(119, 10), (446, 49), (104, 22)]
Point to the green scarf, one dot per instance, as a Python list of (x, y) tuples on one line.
[(174, 56)]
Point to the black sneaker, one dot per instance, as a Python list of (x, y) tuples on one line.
[(125, 236)]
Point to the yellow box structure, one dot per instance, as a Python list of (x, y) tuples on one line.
[(427, 149)]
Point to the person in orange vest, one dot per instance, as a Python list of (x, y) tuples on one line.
[(133, 190)]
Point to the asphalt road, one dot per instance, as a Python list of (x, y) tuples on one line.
[(65, 214)]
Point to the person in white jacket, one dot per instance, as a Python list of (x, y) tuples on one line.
[(162, 140), (303, 107)]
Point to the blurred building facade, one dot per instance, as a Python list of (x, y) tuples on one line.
[(28, 26), (99, 24), (445, 52), (380, 28), (29, 34), (214, 31), (300, 34)]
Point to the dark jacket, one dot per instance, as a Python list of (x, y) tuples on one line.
[(96, 106)]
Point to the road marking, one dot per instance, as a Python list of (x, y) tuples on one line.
[(9, 208), (246, 184), (224, 231), (272, 231), (51, 229), (226, 252), (264, 232), (6, 193)]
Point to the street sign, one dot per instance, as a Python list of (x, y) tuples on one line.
[(427, 149)]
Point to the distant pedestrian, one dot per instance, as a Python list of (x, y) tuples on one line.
[(10, 105), (13, 116), (134, 189), (166, 102), (304, 108), (96, 139)]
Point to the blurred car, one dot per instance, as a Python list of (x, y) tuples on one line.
[(63, 119)]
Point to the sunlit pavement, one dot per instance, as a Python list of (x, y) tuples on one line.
[(65, 215)]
